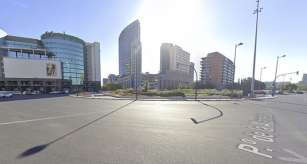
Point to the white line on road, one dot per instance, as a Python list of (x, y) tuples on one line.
[(47, 118)]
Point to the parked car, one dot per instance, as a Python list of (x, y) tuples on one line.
[(16, 93), (26, 92), (55, 92), (299, 92), (5, 94), (35, 92)]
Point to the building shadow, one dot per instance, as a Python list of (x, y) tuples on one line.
[(30, 97), (36, 149)]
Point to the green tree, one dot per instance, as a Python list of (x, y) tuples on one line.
[(291, 87), (111, 87)]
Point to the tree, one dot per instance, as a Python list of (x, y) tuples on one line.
[(111, 87), (290, 87)]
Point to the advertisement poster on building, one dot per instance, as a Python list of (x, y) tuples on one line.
[(51, 69)]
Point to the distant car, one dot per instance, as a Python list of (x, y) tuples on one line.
[(26, 92), (5, 94), (35, 92), (299, 92), (55, 92), (16, 92)]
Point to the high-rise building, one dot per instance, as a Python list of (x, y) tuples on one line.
[(92, 66), (176, 70), (216, 70), (70, 50), (304, 80), (130, 55)]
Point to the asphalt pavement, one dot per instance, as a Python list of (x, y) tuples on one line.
[(96, 131)]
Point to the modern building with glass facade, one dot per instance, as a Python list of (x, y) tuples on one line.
[(70, 50), (57, 56), (130, 55), (26, 65)]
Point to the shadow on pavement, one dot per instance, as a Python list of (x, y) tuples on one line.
[(36, 149), (212, 118), (28, 97), (289, 103), (277, 108)]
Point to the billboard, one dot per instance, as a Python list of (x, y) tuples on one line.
[(32, 68), (51, 70)]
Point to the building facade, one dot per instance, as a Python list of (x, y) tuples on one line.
[(151, 81), (216, 70), (71, 51), (130, 55), (176, 70), (26, 65), (304, 80), (79, 63), (92, 67)]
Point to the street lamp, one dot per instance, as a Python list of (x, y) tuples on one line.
[(234, 62), (262, 68), (274, 82), (255, 48)]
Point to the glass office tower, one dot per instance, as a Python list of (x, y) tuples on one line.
[(130, 54), (70, 50)]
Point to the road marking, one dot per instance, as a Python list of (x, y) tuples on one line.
[(47, 118), (299, 158), (252, 149), (268, 149), (249, 141)]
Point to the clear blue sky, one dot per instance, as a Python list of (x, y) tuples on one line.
[(198, 26)]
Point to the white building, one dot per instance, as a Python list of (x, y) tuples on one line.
[(175, 67), (92, 69)]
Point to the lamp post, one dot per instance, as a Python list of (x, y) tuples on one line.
[(255, 48), (274, 82), (234, 63), (261, 69)]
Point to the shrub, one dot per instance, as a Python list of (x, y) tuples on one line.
[(171, 93)]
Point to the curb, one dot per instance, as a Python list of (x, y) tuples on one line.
[(150, 99), (262, 98)]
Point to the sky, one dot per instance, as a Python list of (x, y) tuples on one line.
[(198, 26)]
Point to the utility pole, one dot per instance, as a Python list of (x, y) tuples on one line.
[(255, 48)]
